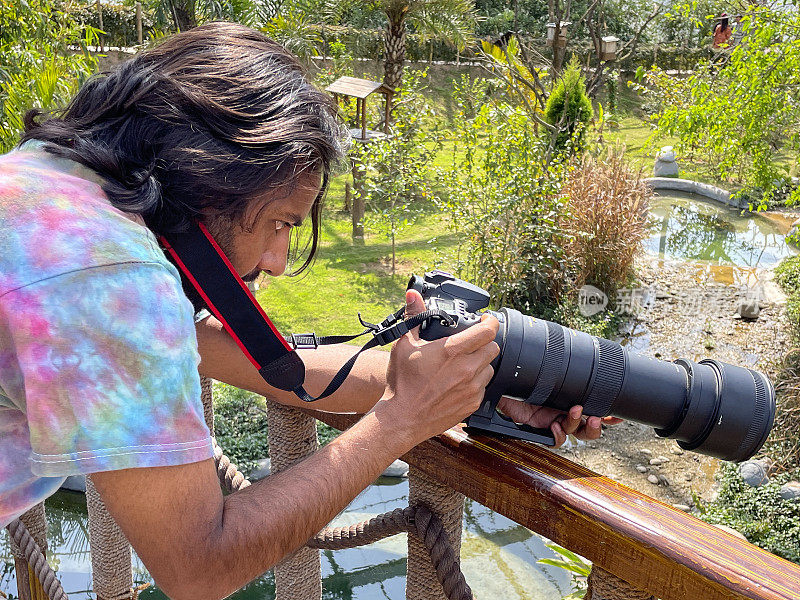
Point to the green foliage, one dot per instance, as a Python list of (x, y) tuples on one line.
[(502, 200), (396, 168), (291, 28), (738, 115), (240, 425), (787, 274), (578, 567), (760, 514), (569, 109), (38, 68), (119, 21)]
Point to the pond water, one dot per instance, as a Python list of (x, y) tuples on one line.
[(498, 556), (688, 227)]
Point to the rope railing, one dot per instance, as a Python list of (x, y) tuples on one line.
[(641, 548)]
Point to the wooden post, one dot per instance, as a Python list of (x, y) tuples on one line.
[(348, 191), (388, 113), (359, 206), (364, 119), (358, 111), (139, 22), (100, 16)]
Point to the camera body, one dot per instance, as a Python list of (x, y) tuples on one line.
[(709, 407)]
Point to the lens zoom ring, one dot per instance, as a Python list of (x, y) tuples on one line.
[(609, 371), (760, 417), (551, 368)]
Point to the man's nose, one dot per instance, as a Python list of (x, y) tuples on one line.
[(273, 263)]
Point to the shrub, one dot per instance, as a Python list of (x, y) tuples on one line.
[(503, 202), (787, 274), (760, 514), (569, 109), (39, 66), (119, 22), (605, 221), (240, 425), (784, 443)]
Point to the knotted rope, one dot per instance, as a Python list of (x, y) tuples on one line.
[(34, 556), (416, 520)]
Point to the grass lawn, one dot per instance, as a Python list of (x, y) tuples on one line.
[(347, 278)]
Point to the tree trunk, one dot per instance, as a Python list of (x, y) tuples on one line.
[(395, 45), (359, 206), (183, 14)]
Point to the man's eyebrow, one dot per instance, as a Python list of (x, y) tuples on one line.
[(293, 218)]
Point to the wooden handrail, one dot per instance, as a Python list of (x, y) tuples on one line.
[(649, 544)]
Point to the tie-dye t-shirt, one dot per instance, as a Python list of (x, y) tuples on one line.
[(98, 351)]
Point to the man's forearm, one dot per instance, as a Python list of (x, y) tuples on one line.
[(222, 359), (274, 517)]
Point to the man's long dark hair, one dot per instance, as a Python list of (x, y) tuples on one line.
[(208, 120)]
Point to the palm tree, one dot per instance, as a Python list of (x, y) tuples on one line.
[(451, 20), (186, 14)]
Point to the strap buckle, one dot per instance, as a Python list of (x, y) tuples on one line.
[(304, 341), (390, 334)]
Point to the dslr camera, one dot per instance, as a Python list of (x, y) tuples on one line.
[(708, 406)]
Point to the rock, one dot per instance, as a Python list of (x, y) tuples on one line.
[(261, 470), (666, 165), (397, 469), (663, 481), (652, 479), (688, 476), (656, 461), (645, 451), (663, 459), (748, 309), (641, 468), (74, 483), (753, 473), (666, 154), (790, 491), (683, 507), (676, 450), (730, 530)]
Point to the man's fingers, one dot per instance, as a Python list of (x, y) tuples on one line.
[(473, 338), (572, 420), (558, 434), (414, 306), (414, 303)]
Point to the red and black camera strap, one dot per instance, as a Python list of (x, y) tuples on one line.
[(206, 267)]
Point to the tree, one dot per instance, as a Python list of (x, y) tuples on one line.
[(39, 67), (569, 109), (449, 20), (396, 168), (738, 116), (452, 20), (186, 14)]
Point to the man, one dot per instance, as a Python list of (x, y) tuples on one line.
[(99, 350)]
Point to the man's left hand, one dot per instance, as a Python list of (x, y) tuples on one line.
[(560, 423)]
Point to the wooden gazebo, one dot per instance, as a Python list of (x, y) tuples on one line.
[(360, 89)]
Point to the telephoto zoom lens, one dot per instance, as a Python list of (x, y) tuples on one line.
[(709, 407)]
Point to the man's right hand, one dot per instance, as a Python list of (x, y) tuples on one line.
[(432, 386)]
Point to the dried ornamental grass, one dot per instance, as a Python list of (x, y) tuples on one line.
[(606, 221)]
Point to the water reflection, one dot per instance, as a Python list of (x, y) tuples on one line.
[(499, 557), (684, 226)]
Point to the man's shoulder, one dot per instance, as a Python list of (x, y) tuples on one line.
[(55, 218)]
